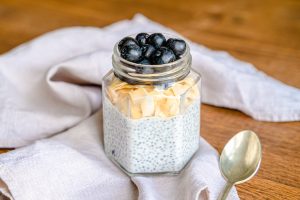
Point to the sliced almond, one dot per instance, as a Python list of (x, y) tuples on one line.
[(180, 88), (136, 111), (137, 94), (139, 101), (148, 106)]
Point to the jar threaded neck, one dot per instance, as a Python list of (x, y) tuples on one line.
[(135, 73)]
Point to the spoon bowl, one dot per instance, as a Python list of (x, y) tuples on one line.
[(240, 159)]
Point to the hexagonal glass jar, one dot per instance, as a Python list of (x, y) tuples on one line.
[(151, 115)]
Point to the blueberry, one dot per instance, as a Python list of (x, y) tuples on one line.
[(145, 62), (126, 42), (141, 38), (156, 40), (163, 55), (177, 46), (132, 53), (147, 50), (145, 69)]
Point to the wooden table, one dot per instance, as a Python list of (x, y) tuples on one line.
[(265, 33)]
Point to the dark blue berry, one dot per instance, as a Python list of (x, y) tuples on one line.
[(177, 46), (162, 55), (145, 62), (141, 38), (126, 42), (145, 69), (147, 50), (132, 53), (156, 40)]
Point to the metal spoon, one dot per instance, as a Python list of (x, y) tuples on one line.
[(240, 160)]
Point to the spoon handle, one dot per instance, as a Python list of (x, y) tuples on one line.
[(226, 191)]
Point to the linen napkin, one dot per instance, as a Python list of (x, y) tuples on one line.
[(73, 166), (51, 85)]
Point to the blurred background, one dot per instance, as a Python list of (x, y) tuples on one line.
[(264, 32)]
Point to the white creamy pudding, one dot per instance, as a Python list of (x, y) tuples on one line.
[(155, 144)]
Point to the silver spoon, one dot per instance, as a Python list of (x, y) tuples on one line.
[(240, 160)]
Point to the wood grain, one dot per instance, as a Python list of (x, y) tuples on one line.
[(4, 150), (265, 33)]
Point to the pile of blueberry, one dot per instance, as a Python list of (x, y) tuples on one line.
[(151, 49)]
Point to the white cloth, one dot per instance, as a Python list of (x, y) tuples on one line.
[(73, 166), (52, 84)]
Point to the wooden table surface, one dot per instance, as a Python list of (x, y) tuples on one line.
[(265, 33)]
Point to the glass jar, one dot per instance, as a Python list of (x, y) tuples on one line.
[(151, 115)]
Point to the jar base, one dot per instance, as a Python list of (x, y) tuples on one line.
[(167, 173)]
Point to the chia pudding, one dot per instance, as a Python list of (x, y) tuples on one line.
[(151, 145), (151, 105)]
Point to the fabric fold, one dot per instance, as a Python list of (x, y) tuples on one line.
[(73, 165)]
